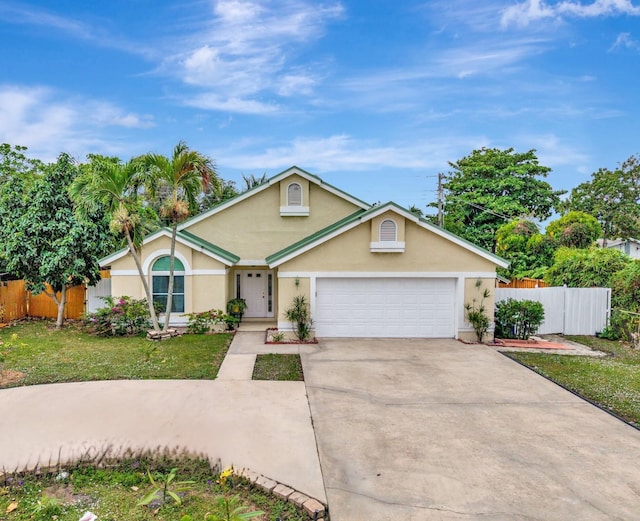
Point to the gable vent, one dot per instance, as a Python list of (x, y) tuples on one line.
[(294, 195), (388, 230)]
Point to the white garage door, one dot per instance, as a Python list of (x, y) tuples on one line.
[(385, 307)]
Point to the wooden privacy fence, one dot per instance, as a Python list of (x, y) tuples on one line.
[(43, 305), (16, 302), (13, 300), (568, 311), (524, 283)]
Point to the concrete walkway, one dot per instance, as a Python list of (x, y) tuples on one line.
[(439, 430), (263, 426)]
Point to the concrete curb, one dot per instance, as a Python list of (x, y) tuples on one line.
[(316, 509)]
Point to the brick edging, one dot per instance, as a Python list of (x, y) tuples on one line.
[(315, 508)]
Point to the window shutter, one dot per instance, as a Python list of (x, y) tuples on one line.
[(294, 195), (388, 231)]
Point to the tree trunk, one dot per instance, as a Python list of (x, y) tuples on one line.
[(172, 258), (145, 283), (60, 303)]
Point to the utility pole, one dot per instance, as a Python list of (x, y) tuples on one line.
[(440, 201)]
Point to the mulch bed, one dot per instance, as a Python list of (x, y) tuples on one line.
[(313, 340), (531, 344)]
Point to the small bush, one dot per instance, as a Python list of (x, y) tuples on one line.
[(518, 318), (124, 316), (202, 322), (300, 315)]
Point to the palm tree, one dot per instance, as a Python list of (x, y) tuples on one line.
[(113, 185), (178, 182), (252, 181)]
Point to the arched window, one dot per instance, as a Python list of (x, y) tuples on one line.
[(294, 195), (160, 283), (388, 231)]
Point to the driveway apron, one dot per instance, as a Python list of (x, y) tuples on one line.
[(435, 429)]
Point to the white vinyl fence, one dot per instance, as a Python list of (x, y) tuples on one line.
[(568, 311), (101, 289)]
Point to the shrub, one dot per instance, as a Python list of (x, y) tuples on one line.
[(124, 316), (200, 323), (518, 318), (300, 316), (476, 312)]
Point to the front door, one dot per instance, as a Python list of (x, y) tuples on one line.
[(256, 288)]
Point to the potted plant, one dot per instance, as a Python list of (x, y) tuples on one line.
[(236, 308)]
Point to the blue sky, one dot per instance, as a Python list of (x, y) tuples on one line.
[(373, 96)]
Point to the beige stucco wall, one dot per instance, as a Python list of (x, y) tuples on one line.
[(471, 293), (202, 292), (424, 252), (287, 290), (254, 229)]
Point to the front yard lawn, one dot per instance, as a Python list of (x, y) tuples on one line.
[(45, 355), (278, 367), (613, 382)]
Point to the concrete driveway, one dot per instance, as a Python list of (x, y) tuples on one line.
[(435, 429)]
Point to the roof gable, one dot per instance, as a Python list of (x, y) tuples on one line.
[(294, 170), (188, 239), (357, 218)]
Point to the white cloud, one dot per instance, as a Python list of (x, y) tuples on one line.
[(625, 40), (38, 118), (246, 54), (25, 14), (342, 152), (524, 13)]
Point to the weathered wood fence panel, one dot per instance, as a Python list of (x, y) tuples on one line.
[(43, 306), (568, 311), (13, 300), (524, 283)]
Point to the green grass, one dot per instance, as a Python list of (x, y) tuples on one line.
[(613, 382), (113, 493), (278, 367), (71, 355)]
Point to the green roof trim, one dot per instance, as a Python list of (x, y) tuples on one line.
[(207, 246), (315, 236), (362, 214)]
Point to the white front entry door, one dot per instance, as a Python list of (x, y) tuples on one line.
[(256, 288)]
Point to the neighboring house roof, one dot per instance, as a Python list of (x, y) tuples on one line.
[(270, 182), (188, 239), (361, 216), (612, 243)]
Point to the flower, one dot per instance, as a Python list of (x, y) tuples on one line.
[(88, 516)]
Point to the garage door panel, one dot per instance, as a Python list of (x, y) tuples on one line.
[(385, 307)]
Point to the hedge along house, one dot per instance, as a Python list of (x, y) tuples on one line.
[(367, 271)]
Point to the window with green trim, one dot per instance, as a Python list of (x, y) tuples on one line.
[(160, 284)]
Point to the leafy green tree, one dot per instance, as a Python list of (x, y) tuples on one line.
[(44, 241), (110, 185), (528, 251), (613, 198), (14, 165), (177, 182), (212, 197), (594, 267), (490, 187), (575, 230)]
